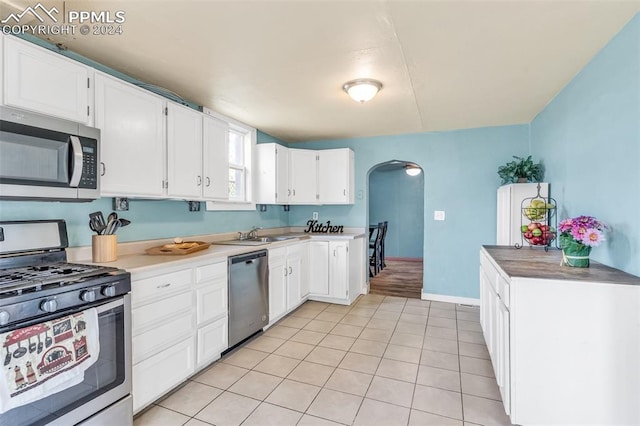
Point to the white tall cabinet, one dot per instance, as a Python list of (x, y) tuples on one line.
[(132, 150), (335, 274), (509, 210), (39, 80)]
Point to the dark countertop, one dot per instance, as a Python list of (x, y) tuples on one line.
[(536, 263)]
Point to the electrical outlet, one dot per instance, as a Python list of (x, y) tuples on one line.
[(438, 215), (315, 215), (120, 204)]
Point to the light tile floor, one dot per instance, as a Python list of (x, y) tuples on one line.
[(382, 361)]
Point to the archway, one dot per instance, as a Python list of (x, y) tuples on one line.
[(396, 196)]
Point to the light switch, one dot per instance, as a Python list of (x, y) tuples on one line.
[(315, 215), (438, 215)]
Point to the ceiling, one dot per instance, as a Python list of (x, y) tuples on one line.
[(279, 65)]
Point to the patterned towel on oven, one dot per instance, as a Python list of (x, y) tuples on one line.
[(43, 359)]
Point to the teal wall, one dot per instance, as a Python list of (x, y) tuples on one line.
[(151, 218), (398, 198), (459, 177), (589, 140)]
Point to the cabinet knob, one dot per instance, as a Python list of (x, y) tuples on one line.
[(199, 180), (285, 272), (207, 181), (290, 270), (289, 192)]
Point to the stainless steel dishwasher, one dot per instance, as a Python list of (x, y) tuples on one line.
[(248, 295)]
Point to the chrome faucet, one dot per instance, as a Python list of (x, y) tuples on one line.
[(254, 232)]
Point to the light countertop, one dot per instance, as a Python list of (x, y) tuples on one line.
[(133, 258)]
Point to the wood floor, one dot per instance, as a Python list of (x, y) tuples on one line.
[(400, 278)]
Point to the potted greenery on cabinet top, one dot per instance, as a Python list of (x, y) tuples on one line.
[(521, 170)]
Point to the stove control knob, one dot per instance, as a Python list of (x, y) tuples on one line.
[(88, 296), (109, 291), (50, 305), (4, 317)]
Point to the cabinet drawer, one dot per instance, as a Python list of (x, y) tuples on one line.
[(166, 333), (211, 301), (212, 340), (277, 255), (209, 272), (155, 376), (153, 313), (159, 286)]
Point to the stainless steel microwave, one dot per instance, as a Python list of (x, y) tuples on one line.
[(47, 158)]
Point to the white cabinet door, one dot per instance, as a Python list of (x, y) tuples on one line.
[(303, 176), (212, 340), (277, 290), (39, 80), (184, 152), (338, 269), (216, 159), (211, 301), (294, 279), (504, 370), (132, 124), (304, 269), (335, 176), (156, 375), (319, 268), (272, 174)]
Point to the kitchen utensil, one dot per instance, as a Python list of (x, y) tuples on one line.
[(97, 219), (32, 346), (7, 358), (40, 344), (114, 227), (124, 222), (19, 352), (48, 341), (112, 216)]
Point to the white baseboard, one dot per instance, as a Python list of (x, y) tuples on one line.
[(451, 299)]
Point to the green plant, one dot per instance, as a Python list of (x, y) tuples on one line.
[(521, 168)]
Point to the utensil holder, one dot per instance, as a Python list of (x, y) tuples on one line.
[(104, 248)]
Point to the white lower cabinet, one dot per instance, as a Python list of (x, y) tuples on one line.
[(565, 347), (287, 272), (179, 325), (212, 341), (335, 270), (154, 376)]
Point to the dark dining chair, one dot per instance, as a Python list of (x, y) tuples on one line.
[(375, 251), (382, 240)]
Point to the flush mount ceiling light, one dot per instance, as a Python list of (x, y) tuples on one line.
[(412, 169), (362, 89)]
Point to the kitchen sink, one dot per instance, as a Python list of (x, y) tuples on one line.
[(256, 241)]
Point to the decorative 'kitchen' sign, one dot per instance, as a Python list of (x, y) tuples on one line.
[(314, 226)]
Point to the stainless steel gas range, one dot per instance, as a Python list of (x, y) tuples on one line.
[(65, 332)]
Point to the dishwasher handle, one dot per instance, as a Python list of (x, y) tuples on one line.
[(247, 257)]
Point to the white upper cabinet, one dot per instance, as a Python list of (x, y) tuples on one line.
[(42, 81), (272, 174), (215, 159), (336, 176), (303, 177), (184, 152), (132, 124)]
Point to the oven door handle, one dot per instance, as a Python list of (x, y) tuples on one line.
[(76, 173)]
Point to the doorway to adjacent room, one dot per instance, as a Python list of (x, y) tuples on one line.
[(396, 229)]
